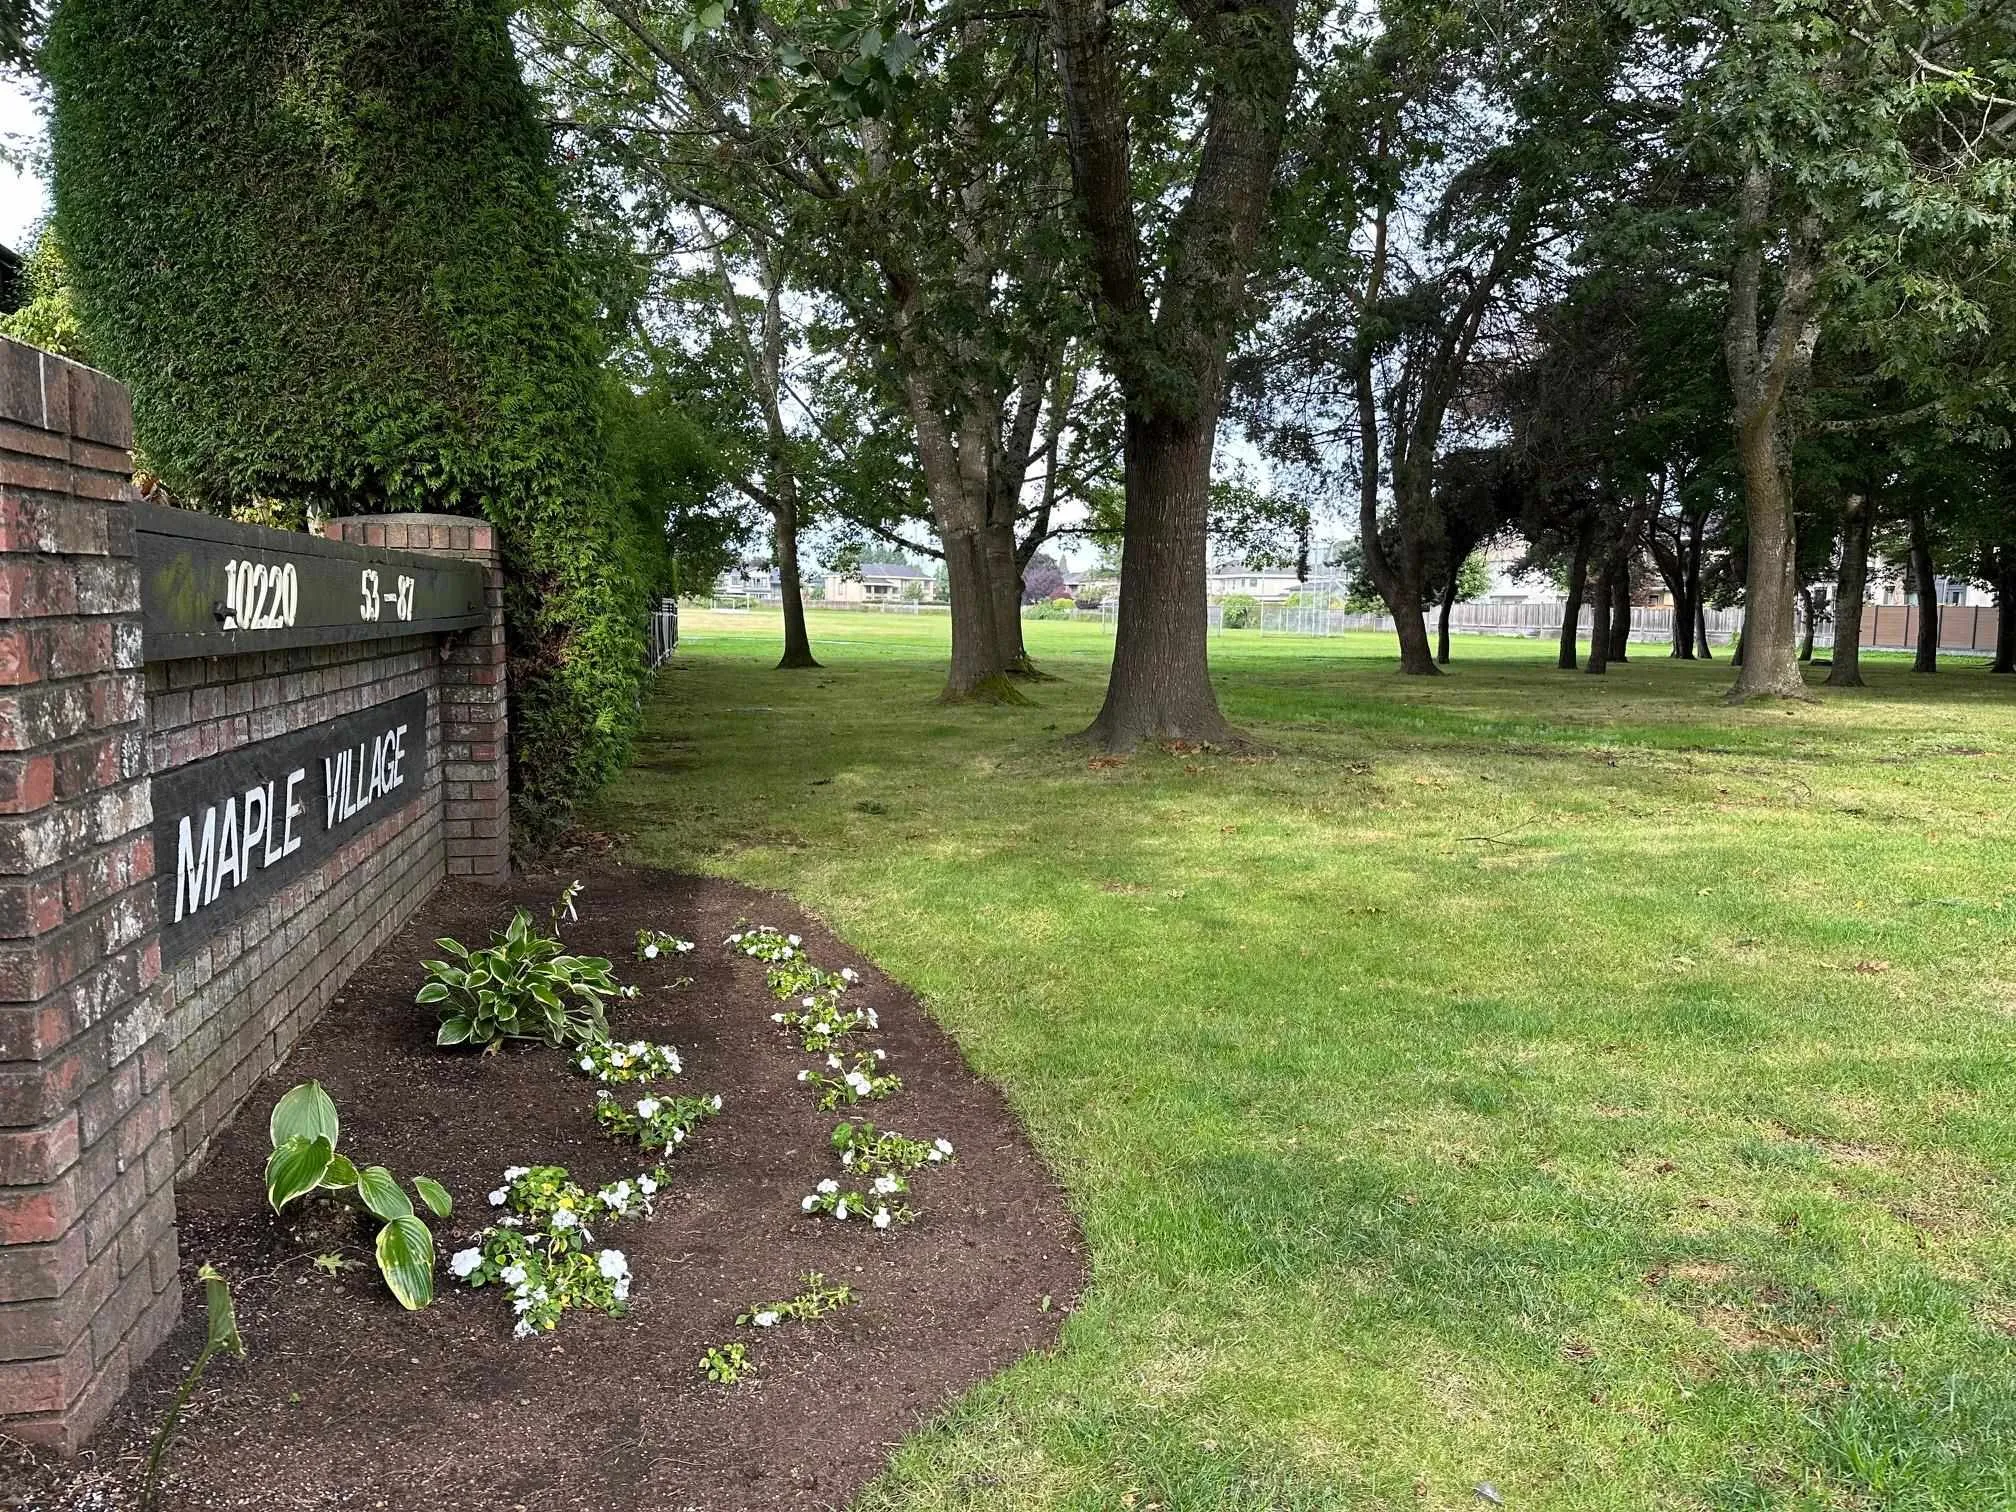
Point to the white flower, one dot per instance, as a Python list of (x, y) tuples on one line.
[(678, 1136), (881, 1055), (512, 1173), (777, 1018), (587, 1063), (509, 1220), (734, 939), (646, 1106), (847, 1158), (822, 1028), (563, 1218), (617, 1196), (833, 1061), (804, 1076), (881, 1217), (858, 1082), (848, 974), (717, 1102), (682, 946), (885, 1185), (840, 1212), (612, 1264), (765, 1318), (647, 1185), (651, 952), (873, 1022), (513, 1275), (497, 1197), (464, 1262), (809, 1203), (638, 1047), (621, 1290), (809, 1002), (829, 1185), (522, 1306), (524, 1330), (791, 939), (942, 1146)]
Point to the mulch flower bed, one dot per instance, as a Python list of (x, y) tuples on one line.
[(345, 1400)]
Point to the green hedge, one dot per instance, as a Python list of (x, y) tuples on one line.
[(322, 241)]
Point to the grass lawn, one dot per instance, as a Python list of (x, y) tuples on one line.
[(1559, 1082)]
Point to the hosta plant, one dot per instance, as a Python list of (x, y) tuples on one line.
[(882, 1204), (523, 985), (304, 1129), (636, 1060), (867, 1151), (815, 1300), (656, 1123), (840, 1083), (653, 943), (765, 944)]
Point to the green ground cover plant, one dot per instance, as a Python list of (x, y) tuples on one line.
[(1564, 1084)]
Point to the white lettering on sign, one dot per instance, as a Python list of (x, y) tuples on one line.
[(261, 595), (221, 844)]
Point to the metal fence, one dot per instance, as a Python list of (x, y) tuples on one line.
[(664, 626), (1889, 627)]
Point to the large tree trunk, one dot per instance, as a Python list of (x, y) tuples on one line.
[(1167, 351), (1806, 635), (1004, 587), (1442, 621), (1160, 688), (797, 643), (1683, 624), (957, 482), (1599, 624), (1620, 615), (1768, 651), (1922, 569), (1763, 370), (1578, 585), (1851, 591), (2005, 610), (1701, 628)]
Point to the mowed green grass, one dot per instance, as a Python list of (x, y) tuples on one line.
[(1563, 1083)]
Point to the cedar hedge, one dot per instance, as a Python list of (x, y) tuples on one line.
[(322, 242)]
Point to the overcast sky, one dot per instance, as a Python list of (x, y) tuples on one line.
[(24, 199)]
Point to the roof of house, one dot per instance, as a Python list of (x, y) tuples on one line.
[(891, 570)]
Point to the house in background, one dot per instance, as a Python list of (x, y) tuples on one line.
[(880, 583), (1266, 585)]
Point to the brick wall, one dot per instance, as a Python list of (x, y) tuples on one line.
[(115, 1074)]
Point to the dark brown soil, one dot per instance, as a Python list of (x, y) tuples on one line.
[(347, 1401)]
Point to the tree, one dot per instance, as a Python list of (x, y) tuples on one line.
[(373, 303), (1412, 218), (1865, 152), (1168, 305), (912, 172), (1043, 579)]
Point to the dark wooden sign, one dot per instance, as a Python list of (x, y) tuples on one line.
[(232, 830), (211, 587)]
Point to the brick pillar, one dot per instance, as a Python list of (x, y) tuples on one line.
[(87, 1210), (475, 737)]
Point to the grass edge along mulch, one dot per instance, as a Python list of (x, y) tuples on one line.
[(346, 1401)]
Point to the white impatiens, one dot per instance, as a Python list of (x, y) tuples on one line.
[(540, 1253)]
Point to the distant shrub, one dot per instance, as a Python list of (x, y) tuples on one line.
[(1052, 609), (1240, 612)]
